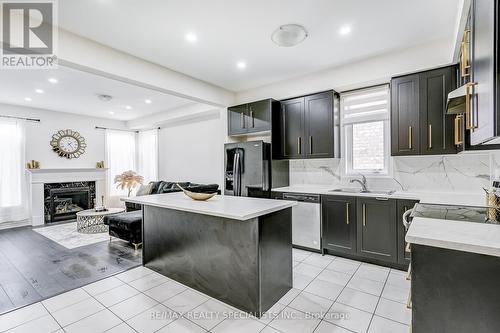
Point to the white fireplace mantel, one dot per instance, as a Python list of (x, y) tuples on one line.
[(38, 177)]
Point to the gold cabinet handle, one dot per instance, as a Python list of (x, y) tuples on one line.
[(347, 213), (242, 120), (310, 144), (410, 137), (364, 215), (464, 57), (409, 302), (252, 120), (408, 274), (408, 248), (468, 111), (299, 141), (430, 136), (458, 130)]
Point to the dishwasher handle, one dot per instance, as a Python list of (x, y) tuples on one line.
[(301, 197)]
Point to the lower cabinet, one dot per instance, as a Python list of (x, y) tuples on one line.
[(338, 215), (365, 228), (377, 228)]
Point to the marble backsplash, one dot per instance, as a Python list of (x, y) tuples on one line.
[(462, 173)]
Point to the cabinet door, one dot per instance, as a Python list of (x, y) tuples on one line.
[(437, 134), (405, 115), (403, 255), (292, 118), (377, 228), (484, 55), (319, 127), (339, 223), (259, 116), (237, 119)]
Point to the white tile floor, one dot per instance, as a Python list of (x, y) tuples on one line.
[(330, 295)]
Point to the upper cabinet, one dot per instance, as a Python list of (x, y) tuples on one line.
[(482, 114), (419, 123), (252, 117), (307, 128)]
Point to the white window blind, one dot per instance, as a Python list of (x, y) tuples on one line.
[(120, 157), (365, 123), (147, 155)]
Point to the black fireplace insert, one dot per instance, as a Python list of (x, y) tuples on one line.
[(64, 200)]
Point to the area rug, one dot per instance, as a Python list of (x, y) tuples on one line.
[(67, 236)]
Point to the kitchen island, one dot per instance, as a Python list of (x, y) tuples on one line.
[(235, 249)]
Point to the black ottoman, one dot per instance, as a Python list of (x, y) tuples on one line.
[(126, 226)]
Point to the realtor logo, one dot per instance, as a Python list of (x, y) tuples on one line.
[(28, 34)]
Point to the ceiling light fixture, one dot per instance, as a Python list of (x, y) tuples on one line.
[(148, 101), (27, 99), (53, 80), (241, 65), (191, 37), (345, 30), (128, 107), (111, 112), (289, 35), (39, 91)]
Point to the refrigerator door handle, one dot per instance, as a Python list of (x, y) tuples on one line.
[(237, 175)]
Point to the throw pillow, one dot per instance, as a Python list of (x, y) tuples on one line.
[(144, 189)]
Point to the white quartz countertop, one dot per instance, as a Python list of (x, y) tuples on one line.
[(238, 208), (482, 238), (444, 198)]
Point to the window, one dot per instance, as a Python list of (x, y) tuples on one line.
[(130, 151), (120, 157), (365, 127), (13, 190), (147, 155)]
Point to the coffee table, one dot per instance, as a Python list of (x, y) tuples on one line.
[(91, 222)]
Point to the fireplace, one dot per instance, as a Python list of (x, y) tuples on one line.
[(63, 200)]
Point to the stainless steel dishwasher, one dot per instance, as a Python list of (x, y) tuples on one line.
[(306, 220)]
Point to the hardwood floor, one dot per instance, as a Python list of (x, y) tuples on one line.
[(33, 267)]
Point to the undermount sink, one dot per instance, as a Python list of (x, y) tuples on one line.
[(358, 190)]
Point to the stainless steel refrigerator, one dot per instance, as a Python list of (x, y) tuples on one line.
[(247, 168)]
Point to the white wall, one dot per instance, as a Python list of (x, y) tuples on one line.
[(39, 134), (192, 149), (359, 74)]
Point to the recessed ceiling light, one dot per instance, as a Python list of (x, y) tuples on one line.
[(191, 37), (53, 80), (128, 107), (39, 91), (241, 65), (111, 112), (148, 101), (27, 99), (345, 30), (289, 35)]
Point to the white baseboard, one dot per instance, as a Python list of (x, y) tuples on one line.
[(17, 224)]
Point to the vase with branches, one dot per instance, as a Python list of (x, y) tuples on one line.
[(129, 180)]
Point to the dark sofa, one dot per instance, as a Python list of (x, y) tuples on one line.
[(128, 225)]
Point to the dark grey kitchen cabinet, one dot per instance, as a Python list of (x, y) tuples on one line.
[(307, 126), (437, 132), (319, 127), (419, 122), (405, 120), (251, 117), (292, 128), (404, 256), (376, 229), (237, 119), (454, 291), (484, 112), (338, 217)]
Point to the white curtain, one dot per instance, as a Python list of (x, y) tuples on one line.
[(14, 203), (147, 155), (120, 157)]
